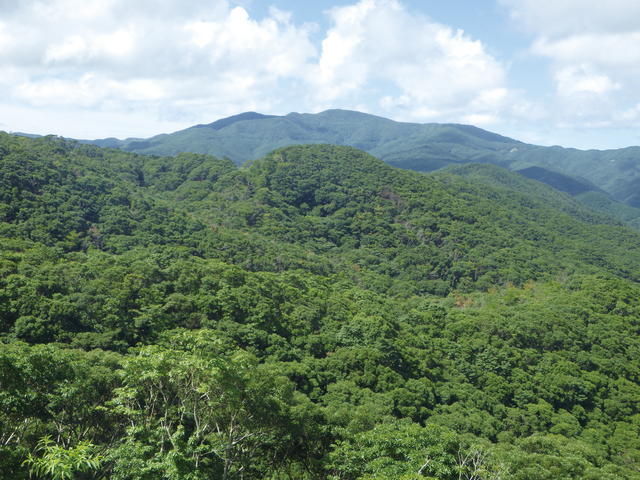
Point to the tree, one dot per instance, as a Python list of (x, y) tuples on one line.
[(60, 463), (196, 410), (399, 450)]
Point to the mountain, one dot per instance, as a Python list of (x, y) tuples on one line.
[(315, 314), (603, 179), (532, 186), (251, 135)]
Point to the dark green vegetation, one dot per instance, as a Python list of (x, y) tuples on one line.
[(315, 315), (608, 181)]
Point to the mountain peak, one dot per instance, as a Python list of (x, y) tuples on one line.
[(225, 122)]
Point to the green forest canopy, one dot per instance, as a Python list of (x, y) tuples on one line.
[(316, 314), (605, 180)]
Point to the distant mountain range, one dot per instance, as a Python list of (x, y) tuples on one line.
[(607, 181)]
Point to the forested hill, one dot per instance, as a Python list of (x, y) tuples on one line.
[(601, 179), (316, 314), (579, 203)]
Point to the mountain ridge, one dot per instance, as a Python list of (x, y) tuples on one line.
[(613, 174), (607, 180)]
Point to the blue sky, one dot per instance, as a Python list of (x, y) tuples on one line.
[(549, 72)]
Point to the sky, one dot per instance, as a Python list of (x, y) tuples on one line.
[(548, 72)]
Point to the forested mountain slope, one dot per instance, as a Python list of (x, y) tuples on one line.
[(315, 315), (586, 206), (420, 147)]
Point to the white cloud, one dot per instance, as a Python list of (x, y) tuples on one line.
[(53, 91), (205, 59), (117, 43), (628, 115), (73, 48), (559, 18), (439, 73), (186, 60), (273, 45), (594, 53), (608, 50), (573, 80)]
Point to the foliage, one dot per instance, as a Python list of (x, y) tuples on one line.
[(314, 313), (396, 450), (200, 410), (60, 463), (419, 147)]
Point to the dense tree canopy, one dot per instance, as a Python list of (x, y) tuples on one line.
[(313, 315)]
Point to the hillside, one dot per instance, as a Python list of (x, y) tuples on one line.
[(316, 314), (570, 203), (250, 135), (613, 174)]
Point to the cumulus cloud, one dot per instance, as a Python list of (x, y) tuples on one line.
[(616, 51), (438, 72), (201, 60), (594, 49), (121, 55), (578, 80)]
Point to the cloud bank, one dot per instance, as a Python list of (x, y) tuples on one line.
[(204, 60), (437, 73), (116, 55)]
